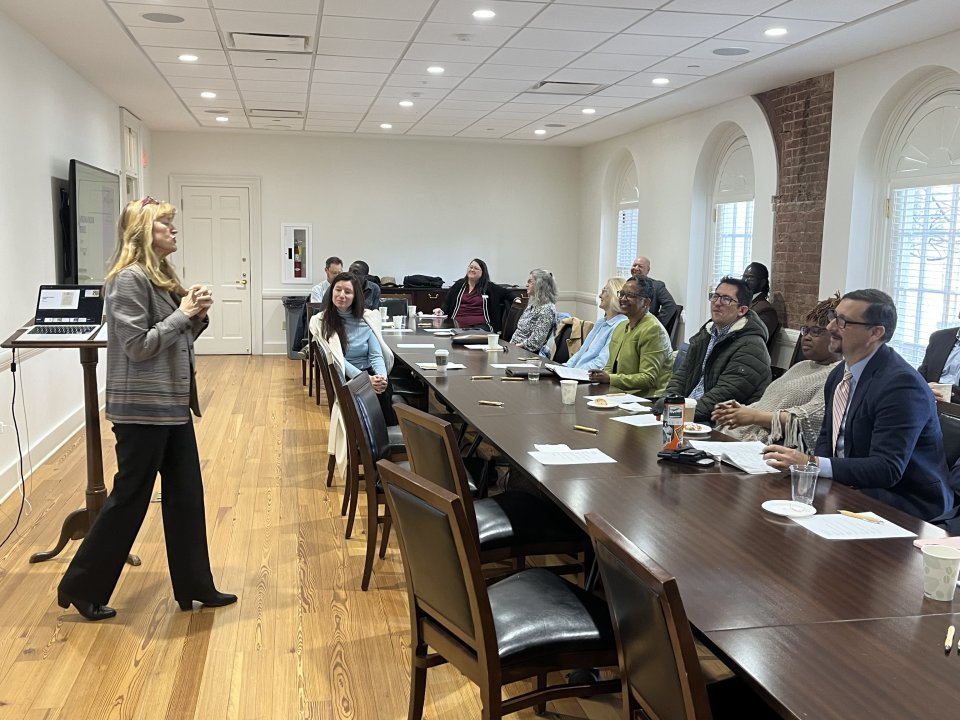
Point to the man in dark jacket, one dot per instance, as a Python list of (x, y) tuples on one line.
[(941, 362), (662, 305), (728, 357)]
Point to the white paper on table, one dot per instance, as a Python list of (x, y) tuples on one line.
[(416, 345), (615, 400), (560, 447), (841, 527), (433, 366), (634, 407), (747, 456), (395, 330), (438, 331), (638, 420), (585, 456), (498, 348), (566, 373), (509, 365)]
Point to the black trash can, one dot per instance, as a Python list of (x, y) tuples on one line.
[(293, 304)]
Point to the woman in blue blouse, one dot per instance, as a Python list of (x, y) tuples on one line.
[(595, 350)]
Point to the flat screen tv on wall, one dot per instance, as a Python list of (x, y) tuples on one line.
[(92, 232)]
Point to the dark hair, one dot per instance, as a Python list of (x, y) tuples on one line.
[(744, 294), (761, 270), (484, 276), (880, 310), (644, 286), (333, 260), (819, 315), (359, 267), (332, 323)]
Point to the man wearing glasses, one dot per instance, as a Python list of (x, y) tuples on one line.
[(880, 430), (727, 358)]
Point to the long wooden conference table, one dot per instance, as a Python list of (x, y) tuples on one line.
[(820, 628)]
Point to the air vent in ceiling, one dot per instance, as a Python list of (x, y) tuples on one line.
[(269, 43), (549, 87), (264, 112)]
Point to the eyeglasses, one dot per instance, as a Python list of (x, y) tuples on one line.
[(148, 201), (722, 299), (623, 295), (842, 322), (812, 330)]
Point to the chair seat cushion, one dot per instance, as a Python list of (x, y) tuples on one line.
[(519, 518), (537, 613)]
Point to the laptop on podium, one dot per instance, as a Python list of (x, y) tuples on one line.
[(66, 313)]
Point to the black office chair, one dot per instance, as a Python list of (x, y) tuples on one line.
[(511, 316), (673, 327), (681, 354), (562, 353)]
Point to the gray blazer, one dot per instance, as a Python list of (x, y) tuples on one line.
[(150, 361)]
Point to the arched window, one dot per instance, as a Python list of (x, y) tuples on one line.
[(731, 242), (628, 215), (922, 243)]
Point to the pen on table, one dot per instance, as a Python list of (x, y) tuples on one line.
[(584, 428), (482, 377), (527, 358), (614, 394), (948, 643), (858, 516), (511, 378), (492, 403)]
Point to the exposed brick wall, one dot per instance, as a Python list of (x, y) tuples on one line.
[(800, 116)]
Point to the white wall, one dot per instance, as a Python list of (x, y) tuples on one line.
[(51, 115), (405, 206)]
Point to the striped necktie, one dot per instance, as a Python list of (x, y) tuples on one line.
[(841, 395)]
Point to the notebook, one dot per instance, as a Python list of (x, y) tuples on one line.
[(66, 313)]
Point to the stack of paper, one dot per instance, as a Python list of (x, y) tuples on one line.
[(747, 456), (433, 366), (563, 455)]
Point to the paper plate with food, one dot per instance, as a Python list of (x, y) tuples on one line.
[(692, 428)]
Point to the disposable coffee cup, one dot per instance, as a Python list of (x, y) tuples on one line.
[(383, 313), (689, 409), (411, 310), (941, 566), (945, 390), (441, 357), (803, 483), (399, 321), (493, 341), (568, 392)]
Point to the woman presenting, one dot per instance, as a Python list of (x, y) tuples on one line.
[(152, 322)]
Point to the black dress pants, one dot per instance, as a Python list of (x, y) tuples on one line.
[(142, 452)]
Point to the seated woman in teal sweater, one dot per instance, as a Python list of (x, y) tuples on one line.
[(641, 358)]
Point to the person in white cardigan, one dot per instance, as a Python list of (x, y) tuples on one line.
[(351, 337)]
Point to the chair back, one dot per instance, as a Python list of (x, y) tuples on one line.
[(322, 367), (441, 559), (511, 316), (681, 354), (434, 454), (673, 327), (949, 414), (658, 657), (562, 353), (373, 440), (394, 305)]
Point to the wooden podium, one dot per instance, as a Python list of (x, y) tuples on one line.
[(76, 524)]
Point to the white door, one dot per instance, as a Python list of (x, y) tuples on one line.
[(214, 250)]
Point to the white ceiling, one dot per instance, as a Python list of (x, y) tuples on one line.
[(363, 57)]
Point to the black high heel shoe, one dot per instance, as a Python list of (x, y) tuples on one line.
[(218, 599), (89, 610)]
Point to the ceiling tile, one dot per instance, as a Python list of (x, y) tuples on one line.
[(510, 72), (610, 61), (321, 102), (193, 70), (354, 64), (419, 68), (367, 28), (483, 95), (163, 37), (639, 92), (381, 9), (797, 30), (494, 85), (437, 113), (287, 6), (430, 52), (269, 73), (479, 131), (360, 48), (578, 75), (629, 4), (830, 9), (645, 79), (259, 98), (580, 17), (543, 107), (686, 24), (451, 34), (341, 116), (351, 78), (155, 3), (330, 130), (278, 124), (533, 58), (452, 104), (198, 18), (437, 82), (339, 89), (509, 14), (730, 7), (266, 22), (273, 86), (536, 39), (604, 101), (706, 48), (203, 83), (412, 93), (236, 123), (170, 55), (420, 108), (332, 124), (248, 58), (694, 66), (198, 104), (647, 45), (434, 130), (373, 126)]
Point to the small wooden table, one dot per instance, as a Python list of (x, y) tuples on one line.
[(77, 523)]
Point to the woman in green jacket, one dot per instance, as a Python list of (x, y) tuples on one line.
[(641, 359)]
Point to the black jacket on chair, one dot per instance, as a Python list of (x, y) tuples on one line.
[(935, 357)]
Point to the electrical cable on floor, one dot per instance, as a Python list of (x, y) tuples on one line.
[(16, 429)]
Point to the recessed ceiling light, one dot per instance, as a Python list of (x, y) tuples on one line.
[(208, 95), (187, 57), (484, 14), (539, 131), (588, 111), (386, 126), (162, 18), (661, 81), (405, 103), (435, 70), (775, 32), (222, 118), (731, 51)]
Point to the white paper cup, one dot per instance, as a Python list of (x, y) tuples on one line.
[(803, 483), (399, 321), (568, 392), (441, 356), (383, 313), (941, 566), (945, 389), (493, 341), (689, 409), (411, 310)]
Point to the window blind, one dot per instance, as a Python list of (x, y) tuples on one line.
[(627, 222), (733, 239)]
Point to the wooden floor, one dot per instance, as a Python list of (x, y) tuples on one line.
[(302, 642)]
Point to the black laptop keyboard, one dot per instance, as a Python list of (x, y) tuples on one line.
[(63, 330)]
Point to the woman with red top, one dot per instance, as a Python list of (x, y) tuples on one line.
[(474, 301)]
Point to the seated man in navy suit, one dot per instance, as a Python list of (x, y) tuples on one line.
[(941, 362), (880, 433)]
